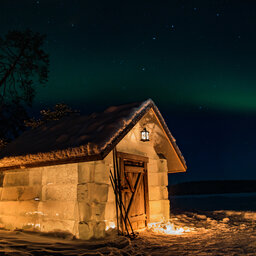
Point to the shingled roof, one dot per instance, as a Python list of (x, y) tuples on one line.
[(78, 138)]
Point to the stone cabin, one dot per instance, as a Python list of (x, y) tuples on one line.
[(57, 177)]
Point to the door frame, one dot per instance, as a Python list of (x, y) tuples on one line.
[(122, 157)]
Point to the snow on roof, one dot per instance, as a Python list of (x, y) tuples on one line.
[(77, 138)]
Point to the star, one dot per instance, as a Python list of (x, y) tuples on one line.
[(143, 69), (154, 38), (172, 27)]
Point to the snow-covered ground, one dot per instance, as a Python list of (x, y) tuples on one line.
[(215, 232)]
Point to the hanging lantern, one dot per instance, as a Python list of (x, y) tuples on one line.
[(144, 135)]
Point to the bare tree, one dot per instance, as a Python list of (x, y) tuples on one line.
[(23, 65)]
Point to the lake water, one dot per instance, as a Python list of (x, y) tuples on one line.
[(236, 202)]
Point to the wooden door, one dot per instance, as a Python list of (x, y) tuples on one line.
[(134, 187)]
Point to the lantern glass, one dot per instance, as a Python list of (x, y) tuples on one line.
[(144, 135)]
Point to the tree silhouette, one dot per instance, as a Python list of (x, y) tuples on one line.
[(22, 62), (23, 65), (58, 112)]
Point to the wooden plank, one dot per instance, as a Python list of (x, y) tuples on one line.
[(133, 163), (146, 196), (134, 169), (129, 184), (127, 190), (121, 168), (138, 218), (127, 156), (134, 194), (114, 185), (141, 224)]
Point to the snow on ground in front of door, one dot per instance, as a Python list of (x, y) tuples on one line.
[(210, 233)]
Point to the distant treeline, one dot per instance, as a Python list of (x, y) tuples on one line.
[(213, 187)]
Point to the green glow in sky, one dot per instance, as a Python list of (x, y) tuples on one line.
[(181, 54)]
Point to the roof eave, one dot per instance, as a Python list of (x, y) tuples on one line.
[(55, 162)]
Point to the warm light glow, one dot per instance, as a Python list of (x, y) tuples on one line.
[(167, 228), (110, 225), (144, 135), (35, 212), (37, 226)]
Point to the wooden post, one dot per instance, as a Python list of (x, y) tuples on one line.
[(146, 193), (119, 185), (115, 188)]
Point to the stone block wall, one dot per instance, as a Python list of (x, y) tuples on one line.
[(42, 198), (75, 198), (58, 204), (110, 210), (93, 195), (19, 199), (159, 205)]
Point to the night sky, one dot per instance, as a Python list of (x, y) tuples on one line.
[(195, 59)]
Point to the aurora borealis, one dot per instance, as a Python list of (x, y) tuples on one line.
[(195, 59)]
